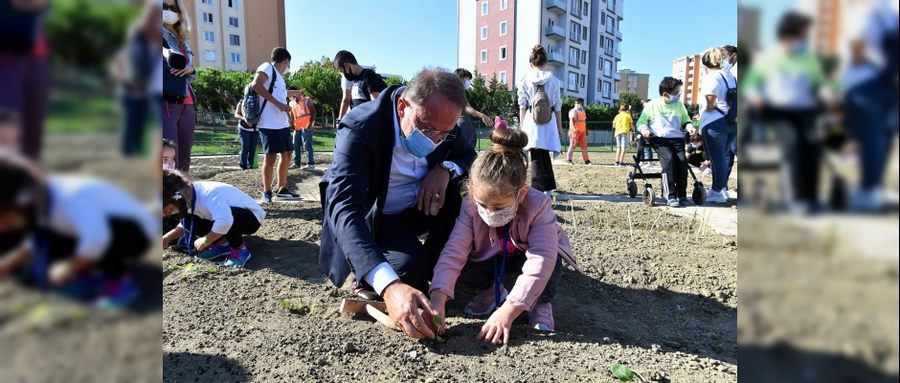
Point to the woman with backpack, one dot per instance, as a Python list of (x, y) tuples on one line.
[(179, 114), (540, 117), (717, 118)]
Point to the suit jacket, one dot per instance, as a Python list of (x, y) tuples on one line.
[(355, 186)]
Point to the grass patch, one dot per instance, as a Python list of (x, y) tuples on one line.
[(226, 142), (79, 112)]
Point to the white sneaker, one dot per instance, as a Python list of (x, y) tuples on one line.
[(713, 196)]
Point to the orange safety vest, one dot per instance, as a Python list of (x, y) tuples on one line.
[(301, 113), (580, 121)]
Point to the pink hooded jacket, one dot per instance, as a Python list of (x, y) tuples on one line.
[(534, 229)]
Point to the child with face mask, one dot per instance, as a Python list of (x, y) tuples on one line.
[(210, 211), (504, 226)]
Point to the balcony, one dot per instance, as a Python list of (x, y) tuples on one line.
[(618, 56), (556, 6), (555, 31), (556, 57), (618, 35)]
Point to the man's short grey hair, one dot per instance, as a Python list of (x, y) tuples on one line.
[(438, 80)]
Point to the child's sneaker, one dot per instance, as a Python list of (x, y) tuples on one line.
[(266, 197), (213, 252), (541, 317), (284, 194), (672, 202), (238, 257), (483, 303), (118, 294)]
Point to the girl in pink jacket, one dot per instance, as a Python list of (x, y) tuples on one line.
[(503, 227)]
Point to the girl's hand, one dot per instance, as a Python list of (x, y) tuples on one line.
[(439, 302), (496, 329), (201, 244)]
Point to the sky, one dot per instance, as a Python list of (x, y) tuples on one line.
[(402, 36)]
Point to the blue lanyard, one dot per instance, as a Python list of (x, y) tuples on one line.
[(187, 240), (42, 246), (500, 268)]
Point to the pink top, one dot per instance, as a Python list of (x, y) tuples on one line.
[(534, 230)]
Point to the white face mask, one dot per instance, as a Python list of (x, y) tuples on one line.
[(727, 65), (499, 217), (169, 17), (467, 84)]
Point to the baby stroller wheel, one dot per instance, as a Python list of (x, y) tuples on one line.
[(699, 194), (649, 196), (632, 189)]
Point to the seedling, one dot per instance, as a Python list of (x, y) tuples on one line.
[(437, 324), (625, 373), (294, 308)]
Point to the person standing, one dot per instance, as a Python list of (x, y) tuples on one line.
[(249, 137), (133, 69), (179, 115), (465, 121), (360, 84), (540, 116), (303, 117), (274, 125), (717, 119), (622, 124), (578, 132)]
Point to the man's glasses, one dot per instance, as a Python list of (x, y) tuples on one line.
[(173, 8), (436, 135)]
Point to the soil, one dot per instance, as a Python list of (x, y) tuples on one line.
[(658, 297)]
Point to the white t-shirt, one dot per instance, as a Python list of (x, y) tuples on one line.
[(81, 208), (214, 201), (272, 117), (715, 83)]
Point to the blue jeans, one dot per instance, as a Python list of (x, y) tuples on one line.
[(135, 111), (303, 139), (248, 148), (867, 122), (718, 140)]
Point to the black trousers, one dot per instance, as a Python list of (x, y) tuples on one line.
[(245, 223), (800, 149), (398, 235), (128, 243), (674, 165), (480, 275), (542, 177)]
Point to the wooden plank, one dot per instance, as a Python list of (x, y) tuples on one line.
[(357, 306), (381, 317)]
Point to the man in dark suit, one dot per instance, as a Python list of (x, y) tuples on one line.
[(395, 175)]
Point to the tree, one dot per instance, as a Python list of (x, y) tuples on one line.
[(219, 91), (321, 82), (395, 80), (84, 33), (492, 97), (629, 98)]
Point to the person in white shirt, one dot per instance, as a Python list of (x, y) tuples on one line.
[(63, 231), (211, 212), (545, 137), (719, 134)]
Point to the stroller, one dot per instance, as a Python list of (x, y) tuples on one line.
[(698, 196)]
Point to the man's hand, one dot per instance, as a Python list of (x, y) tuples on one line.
[(403, 304), (496, 329), (283, 107), (188, 70), (432, 191), (488, 122)]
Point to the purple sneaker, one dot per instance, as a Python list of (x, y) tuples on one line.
[(541, 317), (213, 252)]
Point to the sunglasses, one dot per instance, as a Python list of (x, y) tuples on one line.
[(173, 7)]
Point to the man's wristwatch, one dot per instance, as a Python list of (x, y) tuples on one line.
[(449, 167)]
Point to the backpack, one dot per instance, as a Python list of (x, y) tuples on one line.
[(731, 99), (252, 111), (541, 111)]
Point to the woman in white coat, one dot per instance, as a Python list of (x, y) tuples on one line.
[(543, 137)]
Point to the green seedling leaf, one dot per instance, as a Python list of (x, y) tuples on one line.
[(294, 308), (622, 372), (437, 324)]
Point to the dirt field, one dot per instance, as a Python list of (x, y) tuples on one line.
[(658, 296)]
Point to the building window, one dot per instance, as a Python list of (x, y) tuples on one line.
[(575, 32), (504, 4), (581, 83), (209, 36), (574, 56), (484, 56), (503, 77), (599, 84), (234, 40), (503, 28), (609, 47), (235, 58), (207, 2), (575, 8), (232, 3), (605, 89), (233, 21), (210, 55), (610, 25), (503, 52), (584, 33), (484, 8), (484, 32), (583, 57), (207, 17), (573, 81), (607, 68), (585, 8), (611, 5)]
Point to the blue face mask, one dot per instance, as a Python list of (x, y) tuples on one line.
[(418, 144), (799, 46), (674, 98)]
